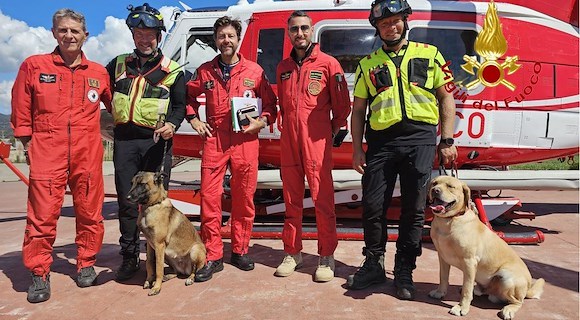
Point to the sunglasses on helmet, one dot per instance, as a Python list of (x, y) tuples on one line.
[(392, 5)]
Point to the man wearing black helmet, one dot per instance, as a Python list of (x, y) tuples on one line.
[(148, 104), (402, 83)]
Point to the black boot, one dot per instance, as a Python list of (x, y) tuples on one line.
[(242, 261), (128, 268), (208, 270), (39, 290), (371, 272), (404, 266)]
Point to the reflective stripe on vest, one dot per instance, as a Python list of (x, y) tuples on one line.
[(420, 102), (143, 102)]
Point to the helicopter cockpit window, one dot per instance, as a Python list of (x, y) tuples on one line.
[(349, 46), (201, 47), (453, 44), (270, 51)]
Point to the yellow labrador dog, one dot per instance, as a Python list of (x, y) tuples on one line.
[(464, 242), (170, 236)]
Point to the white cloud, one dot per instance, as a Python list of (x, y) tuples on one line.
[(19, 41), (5, 95), (114, 40)]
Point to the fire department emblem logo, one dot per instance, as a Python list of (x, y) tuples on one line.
[(93, 95), (314, 87), (491, 45)]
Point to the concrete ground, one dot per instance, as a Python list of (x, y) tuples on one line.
[(235, 294)]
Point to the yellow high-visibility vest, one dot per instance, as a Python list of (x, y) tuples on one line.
[(136, 99), (408, 90)]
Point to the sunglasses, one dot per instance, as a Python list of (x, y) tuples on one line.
[(147, 20), (391, 5), (304, 28)]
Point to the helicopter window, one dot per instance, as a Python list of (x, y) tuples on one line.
[(453, 44), (201, 47), (270, 51), (348, 46)]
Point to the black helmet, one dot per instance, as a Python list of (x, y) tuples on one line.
[(144, 16), (387, 8)]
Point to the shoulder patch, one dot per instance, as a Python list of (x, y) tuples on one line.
[(285, 75)]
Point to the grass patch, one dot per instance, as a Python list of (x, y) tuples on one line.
[(553, 164)]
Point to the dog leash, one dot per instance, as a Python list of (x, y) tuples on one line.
[(443, 171), (162, 168)]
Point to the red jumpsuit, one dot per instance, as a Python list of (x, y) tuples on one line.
[(239, 150), (59, 108), (307, 95)]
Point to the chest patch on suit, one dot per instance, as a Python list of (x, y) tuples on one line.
[(285, 75), (314, 87), (93, 95), (208, 85), (315, 75), (249, 83), (94, 83), (47, 78)]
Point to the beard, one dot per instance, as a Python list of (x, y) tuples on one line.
[(302, 45)]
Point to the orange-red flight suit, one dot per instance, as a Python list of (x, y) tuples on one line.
[(226, 147), (308, 94), (59, 108)]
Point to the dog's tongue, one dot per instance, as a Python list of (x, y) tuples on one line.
[(438, 208)]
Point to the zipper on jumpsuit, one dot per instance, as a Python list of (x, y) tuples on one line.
[(297, 104), (72, 87)]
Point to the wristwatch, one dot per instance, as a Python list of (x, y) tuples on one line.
[(447, 141)]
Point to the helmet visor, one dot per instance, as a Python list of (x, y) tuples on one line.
[(145, 19), (393, 7)]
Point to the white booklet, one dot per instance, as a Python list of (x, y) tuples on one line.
[(242, 107)]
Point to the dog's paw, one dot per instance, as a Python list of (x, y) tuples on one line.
[(154, 291), (459, 310), (508, 312), (436, 294), (147, 284), (189, 281), (168, 277)]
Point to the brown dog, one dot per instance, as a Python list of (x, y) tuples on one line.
[(170, 236), (464, 242)]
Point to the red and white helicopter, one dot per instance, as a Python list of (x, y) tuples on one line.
[(515, 65)]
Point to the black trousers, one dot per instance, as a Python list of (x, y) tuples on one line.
[(413, 165), (130, 157)]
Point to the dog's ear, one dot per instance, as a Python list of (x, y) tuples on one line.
[(466, 194), (159, 177)]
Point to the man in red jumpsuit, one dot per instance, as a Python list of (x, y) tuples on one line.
[(56, 114), (311, 86), (227, 76)]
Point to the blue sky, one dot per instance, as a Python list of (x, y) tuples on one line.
[(38, 13), (25, 30)]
